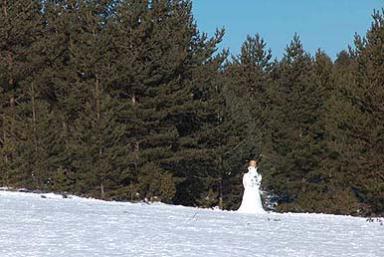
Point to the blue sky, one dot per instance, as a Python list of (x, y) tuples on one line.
[(326, 24)]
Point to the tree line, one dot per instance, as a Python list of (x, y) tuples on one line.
[(128, 100)]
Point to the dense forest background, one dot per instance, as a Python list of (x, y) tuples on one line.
[(128, 100)]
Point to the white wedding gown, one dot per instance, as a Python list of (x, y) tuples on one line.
[(251, 199)]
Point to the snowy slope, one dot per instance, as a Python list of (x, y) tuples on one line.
[(52, 226)]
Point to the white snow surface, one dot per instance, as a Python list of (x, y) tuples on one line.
[(53, 226)]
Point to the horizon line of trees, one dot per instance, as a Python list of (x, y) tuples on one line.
[(128, 100)]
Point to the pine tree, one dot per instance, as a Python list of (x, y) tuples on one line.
[(91, 137), (244, 114), (56, 89), (21, 29), (165, 96), (295, 125), (357, 123)]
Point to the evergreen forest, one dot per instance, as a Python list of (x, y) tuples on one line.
[(127, 100)]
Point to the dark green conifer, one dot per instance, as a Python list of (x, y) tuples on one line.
[(357, 123), (295, 125), (20, 32), (244, 112)]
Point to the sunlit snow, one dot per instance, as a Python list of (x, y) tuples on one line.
[(53, 226)]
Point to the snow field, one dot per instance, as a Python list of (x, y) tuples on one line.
[(54, 227)]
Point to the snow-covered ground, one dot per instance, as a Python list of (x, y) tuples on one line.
[(52, 226)]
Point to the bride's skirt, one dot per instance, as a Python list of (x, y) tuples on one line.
[(251, 201)]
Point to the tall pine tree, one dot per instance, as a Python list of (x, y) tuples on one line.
[(295, 125), (357, 123)]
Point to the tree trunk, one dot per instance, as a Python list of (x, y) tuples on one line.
[(5, 7), (98, 116), (5, 156), (102, 193), (34, 138), (136, 147), (221, 195)]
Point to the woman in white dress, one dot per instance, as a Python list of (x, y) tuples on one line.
[(251, 199)]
